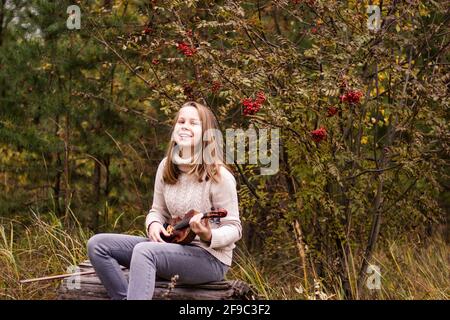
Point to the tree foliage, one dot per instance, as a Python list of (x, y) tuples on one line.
[(363, 114)]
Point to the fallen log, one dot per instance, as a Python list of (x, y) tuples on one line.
[(87, 286)]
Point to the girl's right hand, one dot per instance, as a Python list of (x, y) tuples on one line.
[(155, 230)]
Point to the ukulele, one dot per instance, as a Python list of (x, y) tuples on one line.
[(179, 229)]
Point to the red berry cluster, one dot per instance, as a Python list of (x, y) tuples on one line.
[(216, 85), (331, 111), (155, 62), (147, 30), (260, 97), (319, 134), (185, 49), (251, 107), (351, 97)]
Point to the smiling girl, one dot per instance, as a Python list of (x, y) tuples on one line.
[(187, 178)]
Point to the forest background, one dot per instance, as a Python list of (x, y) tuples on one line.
[(359, 206)]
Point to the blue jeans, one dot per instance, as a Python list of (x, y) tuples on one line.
[(146, 260)]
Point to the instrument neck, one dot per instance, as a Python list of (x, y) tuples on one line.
[(185, 222)]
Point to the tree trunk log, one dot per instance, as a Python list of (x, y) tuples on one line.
[(89, 287)]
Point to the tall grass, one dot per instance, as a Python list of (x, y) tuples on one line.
[(41, 248), (46, 246), (415, 270), (408, 270)]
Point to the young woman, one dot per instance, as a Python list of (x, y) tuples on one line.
[(187, 178)]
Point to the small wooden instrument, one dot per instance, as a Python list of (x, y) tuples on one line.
[(179, 229)]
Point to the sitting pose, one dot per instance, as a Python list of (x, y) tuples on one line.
[(187, 179)]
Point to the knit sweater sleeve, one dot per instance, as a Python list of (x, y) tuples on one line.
[(158, 212), (224, 195)]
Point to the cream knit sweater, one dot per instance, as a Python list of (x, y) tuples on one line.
[(175, 200)]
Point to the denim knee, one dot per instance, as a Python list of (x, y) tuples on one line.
[(95, 242), (146, 249)]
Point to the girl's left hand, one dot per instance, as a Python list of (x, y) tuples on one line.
[(201, 227)]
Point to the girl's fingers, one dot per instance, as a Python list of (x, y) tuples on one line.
[(195, 218), (156, 237), (199, 225), (165, 232)]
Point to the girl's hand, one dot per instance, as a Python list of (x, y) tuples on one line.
[(155, 230), (201, 227)]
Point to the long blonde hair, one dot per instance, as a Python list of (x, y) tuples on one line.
[(203, 170)]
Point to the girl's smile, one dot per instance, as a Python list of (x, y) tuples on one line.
[(185, 135), (188, 129)]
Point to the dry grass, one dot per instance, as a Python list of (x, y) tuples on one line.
[(415, 270), (408, 270), (43, 248)]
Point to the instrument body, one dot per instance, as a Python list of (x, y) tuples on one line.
[(179, 229)]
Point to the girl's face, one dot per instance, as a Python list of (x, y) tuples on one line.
[(188, 129)]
